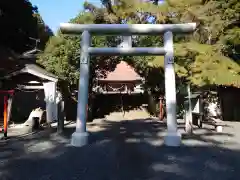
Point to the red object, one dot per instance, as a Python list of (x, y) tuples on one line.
[(161, 109), (5, 115), (5, 110), (7, 91)]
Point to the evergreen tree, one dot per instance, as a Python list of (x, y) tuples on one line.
[(210, 56)]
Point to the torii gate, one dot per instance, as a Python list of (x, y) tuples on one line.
[(80, 136)]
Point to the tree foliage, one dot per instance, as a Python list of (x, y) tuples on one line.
[(21, 21), (209, 56), (61, 55)]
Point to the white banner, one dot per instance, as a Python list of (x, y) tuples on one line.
[(50, 99)]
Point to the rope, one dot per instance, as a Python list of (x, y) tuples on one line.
[(115, 89), (121, 98), (28, 91)]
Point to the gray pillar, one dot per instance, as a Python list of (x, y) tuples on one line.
[(188, 119), (127, 41), (61, 117), (172, 138), (80, 136)]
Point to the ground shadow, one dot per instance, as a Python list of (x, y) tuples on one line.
[(104, 104), (118, 150)]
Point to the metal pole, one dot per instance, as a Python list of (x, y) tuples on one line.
[(80, 137), (172, 138)]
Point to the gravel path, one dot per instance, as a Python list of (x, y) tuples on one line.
[(121, 150)]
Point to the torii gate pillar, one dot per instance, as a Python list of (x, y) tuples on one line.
[(80, 136)]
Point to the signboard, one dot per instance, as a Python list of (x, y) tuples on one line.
[(170, 59), (83, 60)]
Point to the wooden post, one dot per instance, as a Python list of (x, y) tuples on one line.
[(161, 108), (61, 117)]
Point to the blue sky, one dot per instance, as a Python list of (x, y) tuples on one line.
[(54, 12)]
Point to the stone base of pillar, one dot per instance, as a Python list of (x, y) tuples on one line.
[(172, 139), (79, 139)]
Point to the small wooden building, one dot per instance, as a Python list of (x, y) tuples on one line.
[(123, 79), (119, 90), (33, 86)]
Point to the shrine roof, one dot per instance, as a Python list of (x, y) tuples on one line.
[(122, 72)]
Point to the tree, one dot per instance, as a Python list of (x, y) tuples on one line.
[(43, 31), (208, 57), (215, 40), (61, 56), (19, 21)]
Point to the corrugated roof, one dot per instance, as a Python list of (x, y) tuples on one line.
[(122, 72), (35, 70)]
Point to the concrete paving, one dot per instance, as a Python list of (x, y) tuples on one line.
[(123, 150)]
